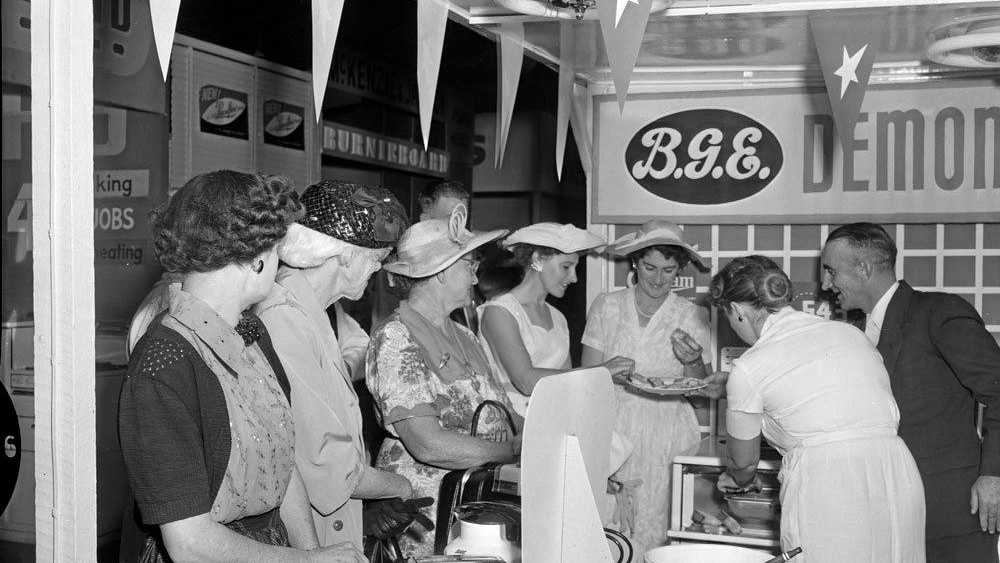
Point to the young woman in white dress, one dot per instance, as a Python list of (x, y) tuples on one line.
[(525, 337)]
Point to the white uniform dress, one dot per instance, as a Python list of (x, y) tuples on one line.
[(658, 427), (850, 490), (547, 349)]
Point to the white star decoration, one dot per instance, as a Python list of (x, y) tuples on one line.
[(848, 69), (620, 9)]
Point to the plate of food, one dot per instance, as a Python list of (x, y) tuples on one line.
[(666, 385)]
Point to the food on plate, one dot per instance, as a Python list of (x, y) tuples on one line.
[(667, 382)]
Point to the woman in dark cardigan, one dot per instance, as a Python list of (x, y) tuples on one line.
[(205, 422)]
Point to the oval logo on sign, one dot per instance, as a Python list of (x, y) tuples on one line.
[(704, 157)]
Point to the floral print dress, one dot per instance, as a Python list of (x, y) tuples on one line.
[(403, 384)]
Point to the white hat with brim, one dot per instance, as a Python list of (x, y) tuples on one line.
[(567, 238), (302, 247), (653, 233), (430, 246)]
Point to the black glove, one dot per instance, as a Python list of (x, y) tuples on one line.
[(389, 517)]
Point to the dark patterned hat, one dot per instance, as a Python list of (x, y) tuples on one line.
[(362, 215)]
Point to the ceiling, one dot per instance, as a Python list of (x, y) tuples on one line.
[(732, 35)]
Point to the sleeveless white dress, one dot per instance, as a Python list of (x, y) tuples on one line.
[(548, 349)]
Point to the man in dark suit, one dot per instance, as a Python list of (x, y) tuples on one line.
[(940, 360)]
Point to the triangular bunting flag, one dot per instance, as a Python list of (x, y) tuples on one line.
[(511, 51), (846, 47), (325, 23), (564, 103), (622, 42), (620, 9), (432, 19), (581, 127), (163, 14)]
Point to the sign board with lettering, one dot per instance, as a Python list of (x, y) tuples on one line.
[(130, 179), (352, 143), (920, 153), (223, 112)]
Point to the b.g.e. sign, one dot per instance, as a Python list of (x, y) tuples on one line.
[(920, 153)]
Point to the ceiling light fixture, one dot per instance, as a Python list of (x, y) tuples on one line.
[(970, 42), (566, 9)]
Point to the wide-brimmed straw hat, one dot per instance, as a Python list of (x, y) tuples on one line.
[(341, 216), (657, 232), (567, 238), (430, 246)]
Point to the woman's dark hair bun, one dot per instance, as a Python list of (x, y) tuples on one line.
[(775, 290)]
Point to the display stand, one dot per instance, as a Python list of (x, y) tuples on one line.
[(564, 468)]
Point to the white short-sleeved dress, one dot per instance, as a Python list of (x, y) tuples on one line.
[(547, 348), (658, 427), (850, 490)]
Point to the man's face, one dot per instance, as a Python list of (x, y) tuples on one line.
[(442, 208), (844, 275)]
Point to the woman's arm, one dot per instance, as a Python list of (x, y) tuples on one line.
[(295, 513), (590, 357), (500, 330), (431, 444), (201, 539), (376, 483), (741, 459)]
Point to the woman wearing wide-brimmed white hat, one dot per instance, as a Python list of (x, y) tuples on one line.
[(668, 337), (429, 374), (525, 337)]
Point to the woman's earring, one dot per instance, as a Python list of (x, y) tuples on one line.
[(258, 267)]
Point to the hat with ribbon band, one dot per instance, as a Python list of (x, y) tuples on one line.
[(430, 246), (654, 233)]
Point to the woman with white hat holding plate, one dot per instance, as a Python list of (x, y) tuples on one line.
[(668, 337), (525, 337), (428, 374)]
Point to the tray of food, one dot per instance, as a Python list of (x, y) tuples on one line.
[(665, 385)]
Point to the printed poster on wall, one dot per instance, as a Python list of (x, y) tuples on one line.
[(920, 153), (130, 179), (284, 125), (223, 112)]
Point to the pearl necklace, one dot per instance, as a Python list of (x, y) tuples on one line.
[(644, 314)]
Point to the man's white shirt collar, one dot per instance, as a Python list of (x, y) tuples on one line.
[(873, 325)]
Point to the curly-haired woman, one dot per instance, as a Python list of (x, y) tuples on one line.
[(205, 423)]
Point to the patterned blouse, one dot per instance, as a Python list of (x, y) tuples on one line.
[(404, 386)]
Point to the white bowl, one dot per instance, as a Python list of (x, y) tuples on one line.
[(706, 553)]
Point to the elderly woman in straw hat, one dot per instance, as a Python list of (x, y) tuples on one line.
[(347, 231), (525, 337), (638, 322), (428, 374)]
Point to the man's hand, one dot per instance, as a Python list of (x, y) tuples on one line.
[(985, 499), (716, 386)]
